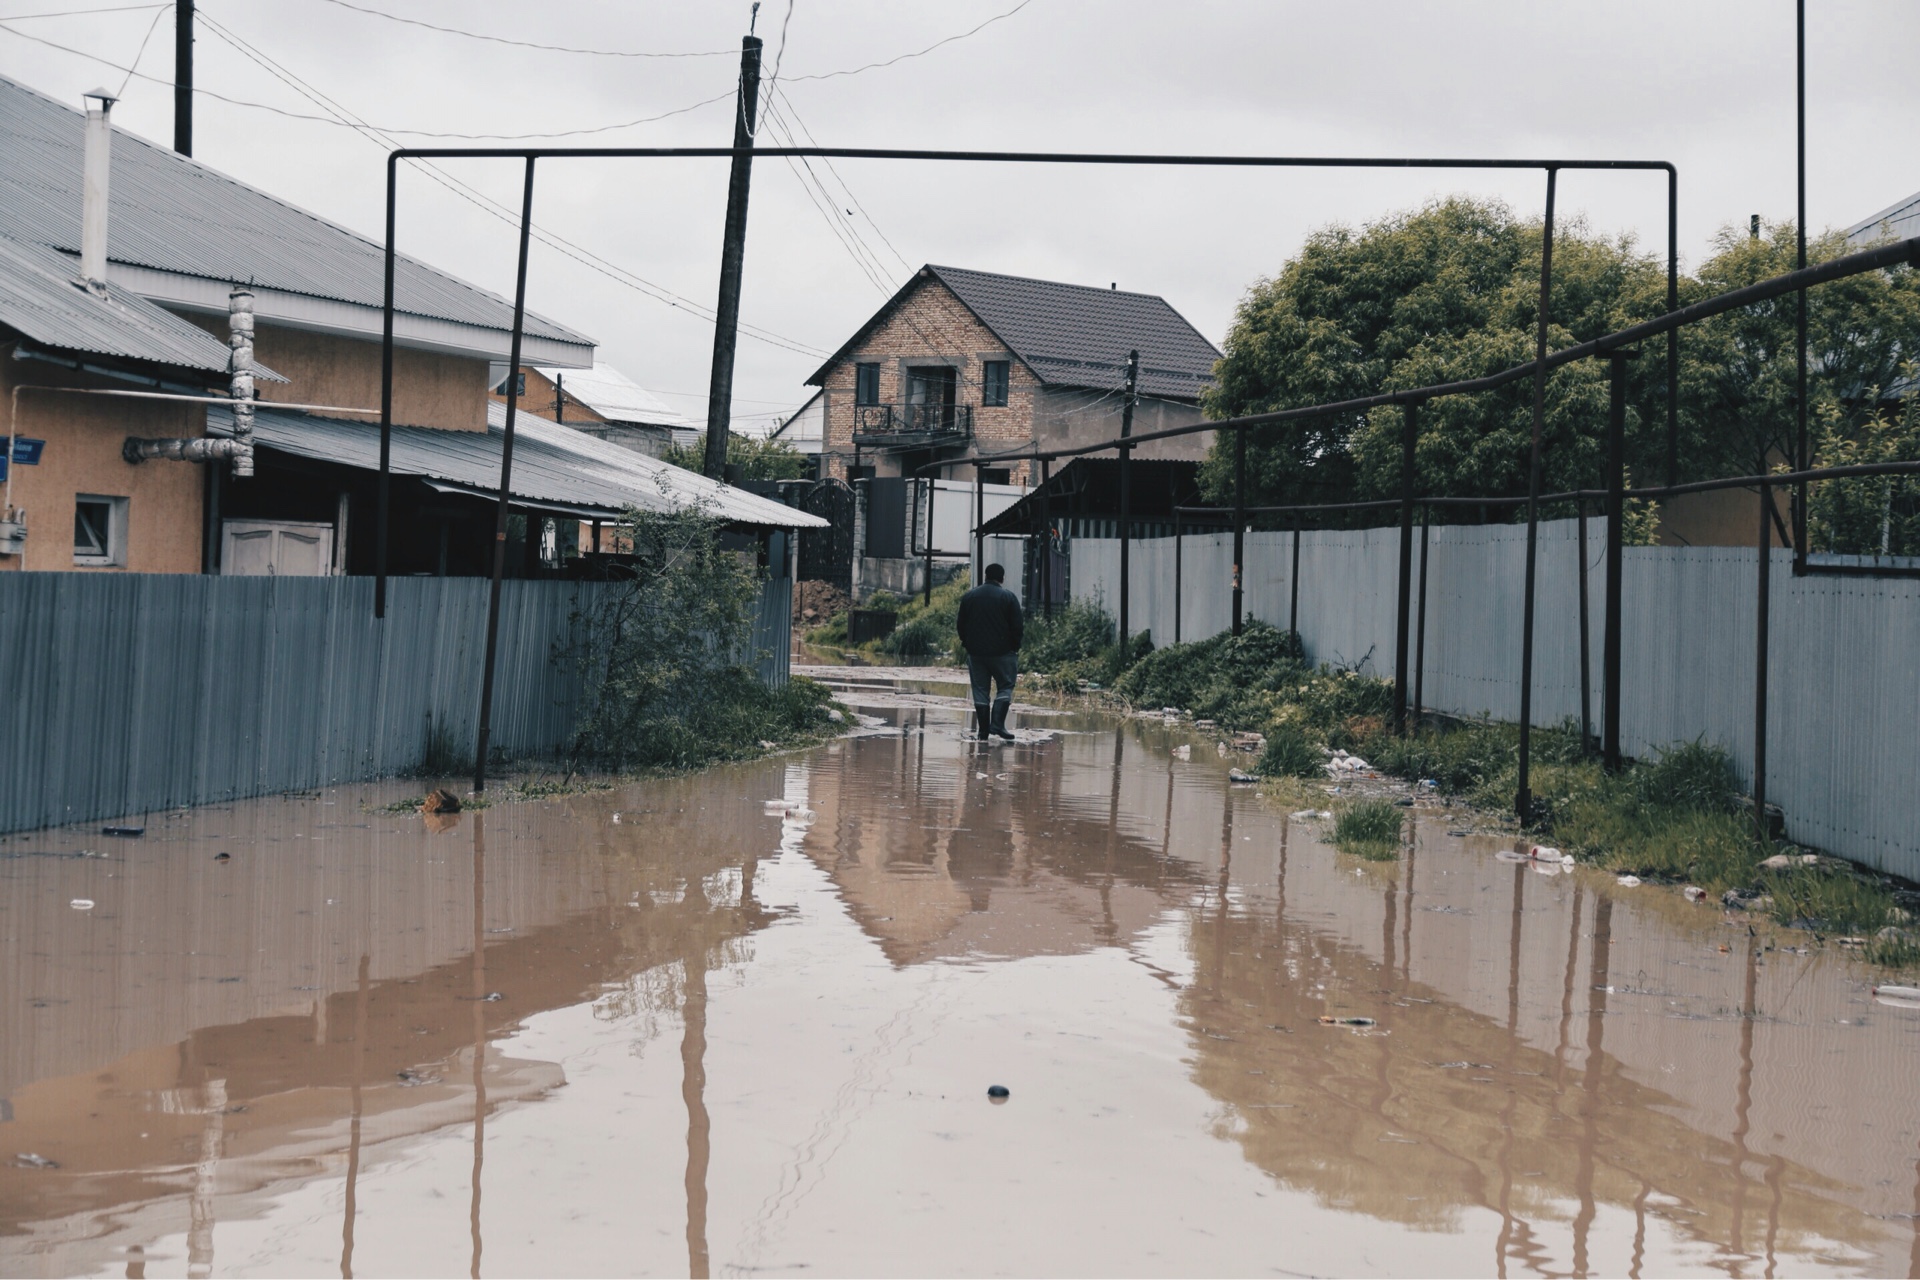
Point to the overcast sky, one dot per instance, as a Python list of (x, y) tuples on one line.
[(1706, 84)]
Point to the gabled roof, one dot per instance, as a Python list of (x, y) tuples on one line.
[(41, 298), (554, 466), (1902, 222), (614, 396), (1070, 335), (174, 215)]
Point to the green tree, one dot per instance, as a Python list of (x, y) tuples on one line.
[(757, 459), (1451, 291)]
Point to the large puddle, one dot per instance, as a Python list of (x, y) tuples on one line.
[(661, 1030)]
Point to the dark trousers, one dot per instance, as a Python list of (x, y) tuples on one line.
[(1000, 673)]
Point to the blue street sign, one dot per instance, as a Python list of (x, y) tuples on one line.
[(27, 452)]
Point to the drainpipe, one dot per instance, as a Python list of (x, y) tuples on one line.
[(95, 169), (240, 386)]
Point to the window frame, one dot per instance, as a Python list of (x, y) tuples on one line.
[(114, 553), (996, 376), (866, 383)]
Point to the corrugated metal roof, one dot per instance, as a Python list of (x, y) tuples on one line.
[(552, 465), (1072, 335), (1902, 221), (40, 298), (614, 396), (172, 213)]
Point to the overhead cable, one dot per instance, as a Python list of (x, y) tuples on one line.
[(527, 44)]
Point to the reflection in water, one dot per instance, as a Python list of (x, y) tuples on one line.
[(1561, 1078)]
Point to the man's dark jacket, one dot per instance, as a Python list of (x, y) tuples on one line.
[(990, 622)]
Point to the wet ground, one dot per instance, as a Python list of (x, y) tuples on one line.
[(661, 1030)]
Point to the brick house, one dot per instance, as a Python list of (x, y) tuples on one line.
[(961, 359)]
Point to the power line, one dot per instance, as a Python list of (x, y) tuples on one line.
[(792, 115), (566, 248), (76, 13), (920, 53), (142, 51), (524, 44)]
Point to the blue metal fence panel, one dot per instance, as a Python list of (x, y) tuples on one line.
[(124, 694), (1844, 658)]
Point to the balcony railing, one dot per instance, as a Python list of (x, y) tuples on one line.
[(912, 423)]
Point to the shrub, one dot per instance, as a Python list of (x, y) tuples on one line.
[(1079, 631), (1291, 753), (1368, 829)]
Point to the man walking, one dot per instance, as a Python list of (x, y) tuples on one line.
[(990, 627)]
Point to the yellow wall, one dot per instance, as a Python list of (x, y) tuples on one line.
[(429, 389), (84, 435), (538, 402)]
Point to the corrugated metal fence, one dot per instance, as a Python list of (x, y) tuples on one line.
[(127, 693), (1843, 661)]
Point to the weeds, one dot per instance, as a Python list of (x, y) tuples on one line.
[(1368, 829), (1291, 753), (1828, 898)]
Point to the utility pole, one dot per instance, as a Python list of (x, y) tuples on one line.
[(726, 321), (1126, 497), (183, 77)]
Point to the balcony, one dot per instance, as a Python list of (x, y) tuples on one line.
[(912, 424)]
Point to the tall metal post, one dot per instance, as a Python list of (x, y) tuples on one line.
[(979, 518), (1403, 611), (1673, 335), (1586, 668), (1762, 606), (926, 583), (1420, 626), (1239, 518), (733, 249), (1616, 544), (1046, 538), (1523, 795), (1293, 582), (1126, 500), (1179, 567), (183, 79), (1801, 448), (482, 743), (382, 492)]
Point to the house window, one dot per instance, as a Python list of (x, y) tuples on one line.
[(99, 530), (993, 384), (519, 381), (866, 384)]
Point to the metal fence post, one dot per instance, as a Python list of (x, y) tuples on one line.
[(1762, 606), (1523, 793), (1293, 583), (1616, 543), (506, 478), (1126, 502), (1402, 618), (1179, 559), (1586, 668), (1239, 518), (1420, 626)]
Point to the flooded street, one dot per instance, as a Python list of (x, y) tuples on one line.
[(663, 1030)]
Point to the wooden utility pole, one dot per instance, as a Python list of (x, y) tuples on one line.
[(1126, 498), (183, 77), (726, 322)]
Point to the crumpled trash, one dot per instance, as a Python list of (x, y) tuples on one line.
[(1547, 853), (129, 832), (1312, 813), (1694, 893), (1249, 741), (1788, 861), (81, 904), (1203, 724), (1241, 775), (1897, 996), (1330, 1020), (33, 1160), (1183, 752), (1343, 763), (836, 715), (1430, 784), (766, 745), (1172, 712), (1627, 882), (1093, 685)]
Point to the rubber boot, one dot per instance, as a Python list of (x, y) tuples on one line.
[(981, 722), (999, 722)]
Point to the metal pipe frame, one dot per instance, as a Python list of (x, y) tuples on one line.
[(1523, 793), (1402, 618), (1420, 629)]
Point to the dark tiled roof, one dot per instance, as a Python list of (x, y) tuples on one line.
[(175, 214), (1073, 335)]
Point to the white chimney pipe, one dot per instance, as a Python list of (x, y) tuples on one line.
[(240, 370), (93, 208)]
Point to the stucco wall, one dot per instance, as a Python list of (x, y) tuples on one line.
[(1069, 415), (430, 389), (82, 455)]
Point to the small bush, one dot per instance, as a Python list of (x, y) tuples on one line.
[(1291, 753), (925, 630), (1076, 633), (1832, 898), (1368, 829), (1691, 776)]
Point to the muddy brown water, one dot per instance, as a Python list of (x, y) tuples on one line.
[(659, 1030)]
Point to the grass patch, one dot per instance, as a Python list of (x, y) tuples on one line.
[(1829, 898), (1291, 752), (1368, 829), (1895, 950)]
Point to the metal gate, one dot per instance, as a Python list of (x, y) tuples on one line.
[(826, 555)]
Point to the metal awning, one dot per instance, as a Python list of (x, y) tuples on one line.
[(554, 467)]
